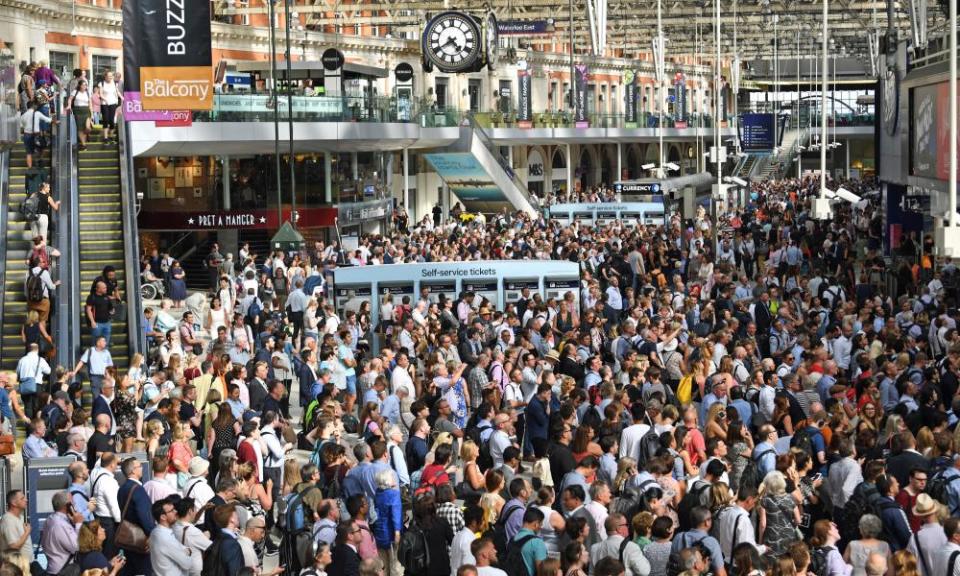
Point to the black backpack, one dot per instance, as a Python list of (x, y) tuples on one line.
[(818, 560), (211, 559), (500, 529), (34, 287), (413, 552), (690, 500), (632, 500), (649, 446), (513, 563), (938, 486), (30, 207), (751, 472), (803, 440), (592, 418), (484, 460)]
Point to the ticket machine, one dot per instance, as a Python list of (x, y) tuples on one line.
[(512, 288), (449, 289), (350, 296), (486, 288), (605, 217), (558, 288), (397, 291)]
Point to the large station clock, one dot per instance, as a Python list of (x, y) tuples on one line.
[(491, 37), (452, 43)]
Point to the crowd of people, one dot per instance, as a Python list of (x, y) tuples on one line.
[(758, 399)]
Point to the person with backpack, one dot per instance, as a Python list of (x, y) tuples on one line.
[(896, 528), (423, 549), (948, 559), (618, 546), (930, 538), (733, 525), (526, 551), (697, 537), (38, 286), (810, 440), (845, 474)]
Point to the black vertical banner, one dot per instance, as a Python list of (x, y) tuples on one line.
[(580, 97), (630, 95), (131, 49), (525, 99), (175, 54)]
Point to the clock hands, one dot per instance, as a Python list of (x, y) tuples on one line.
[(456, 47)]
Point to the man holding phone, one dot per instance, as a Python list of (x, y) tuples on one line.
[(60, 533)]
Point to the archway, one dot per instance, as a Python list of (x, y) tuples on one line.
[(633, 162), (585, 174), (558, 170), (608, 166)]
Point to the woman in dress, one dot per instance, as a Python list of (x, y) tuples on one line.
[(124, 408), (178, 285), (740, 452), (180, 454), (858, 551), (33, 331), (151, 436), (217, 317), (779, 514), (491, 501), (221, 435), (473, 481), (371, 423), (254, 498)]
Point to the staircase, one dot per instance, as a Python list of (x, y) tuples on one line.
[(783, 159), (101, 235), (744, 168), (18, 246)]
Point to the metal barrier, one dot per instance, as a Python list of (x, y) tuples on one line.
[(136, 338), (4, 207)]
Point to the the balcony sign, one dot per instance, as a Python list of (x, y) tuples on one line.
[(167, 53)]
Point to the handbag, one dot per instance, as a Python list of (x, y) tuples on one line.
[(129, 536)]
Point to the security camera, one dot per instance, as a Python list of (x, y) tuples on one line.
[(650, 166), (736, 180), (139, 196), (847, 195), (671, 166)]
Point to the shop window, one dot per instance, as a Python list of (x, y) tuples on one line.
[(63, 63)]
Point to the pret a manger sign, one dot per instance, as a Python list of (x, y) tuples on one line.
[(175, 56)]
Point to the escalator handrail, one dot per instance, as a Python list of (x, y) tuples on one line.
[(74, 288), (65, 177), (136, 338), (4, 207)]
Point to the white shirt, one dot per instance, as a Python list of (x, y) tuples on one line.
[(200, 491), (490, 571), (944, 556), (599, 513), (726, 521), (630, 440), (401, 379), (32, 366), (499, 441), (195, 541), (766, 400), (167, 555), (109, 93), (460, 549), (105, 492), (614, 300)]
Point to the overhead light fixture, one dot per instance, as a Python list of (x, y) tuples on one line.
[(671, 166)]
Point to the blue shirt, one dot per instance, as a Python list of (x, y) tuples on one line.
[(390, 409), (823, 387), (953, 490), (768, 462), (78, 493), (744, 409), (533, 552), (889, 396), (372, 396), (688, 539), (709, 400)]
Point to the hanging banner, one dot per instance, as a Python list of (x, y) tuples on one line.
[(630, 94), (580, 97), (175, 59), (524, 99), (680, 89)]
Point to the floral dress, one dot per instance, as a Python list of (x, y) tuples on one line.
[(737, 464), (458, 403), (781, 531), (124, 408)]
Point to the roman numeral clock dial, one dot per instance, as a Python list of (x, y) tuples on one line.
[(451, 42)]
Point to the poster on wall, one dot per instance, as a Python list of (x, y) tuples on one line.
[(167, 56), (630, 94), (165, 168), (525, 99), (465, 176), (184, 177), (926, 132), (156, 187), (580, 97)]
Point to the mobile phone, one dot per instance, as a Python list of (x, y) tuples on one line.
[(816, 477)]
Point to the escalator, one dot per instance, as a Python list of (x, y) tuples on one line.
[(18, 245), (480, 176), (101, 237)]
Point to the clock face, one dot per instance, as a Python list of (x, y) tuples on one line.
[(891, 100), (492, 36), (452, 42)]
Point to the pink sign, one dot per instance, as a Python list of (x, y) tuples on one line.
[(177, 118), (133, 110)]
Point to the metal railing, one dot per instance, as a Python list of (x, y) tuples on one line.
[(136, 339), (68, 268), (4, 208)]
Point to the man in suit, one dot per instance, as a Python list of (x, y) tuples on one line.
[(101, 405), (346, 559), (258, 387), (139, 512), (906, 457), (538, 417), (229, 554)]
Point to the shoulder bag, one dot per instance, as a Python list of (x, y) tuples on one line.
[(130, 536)]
